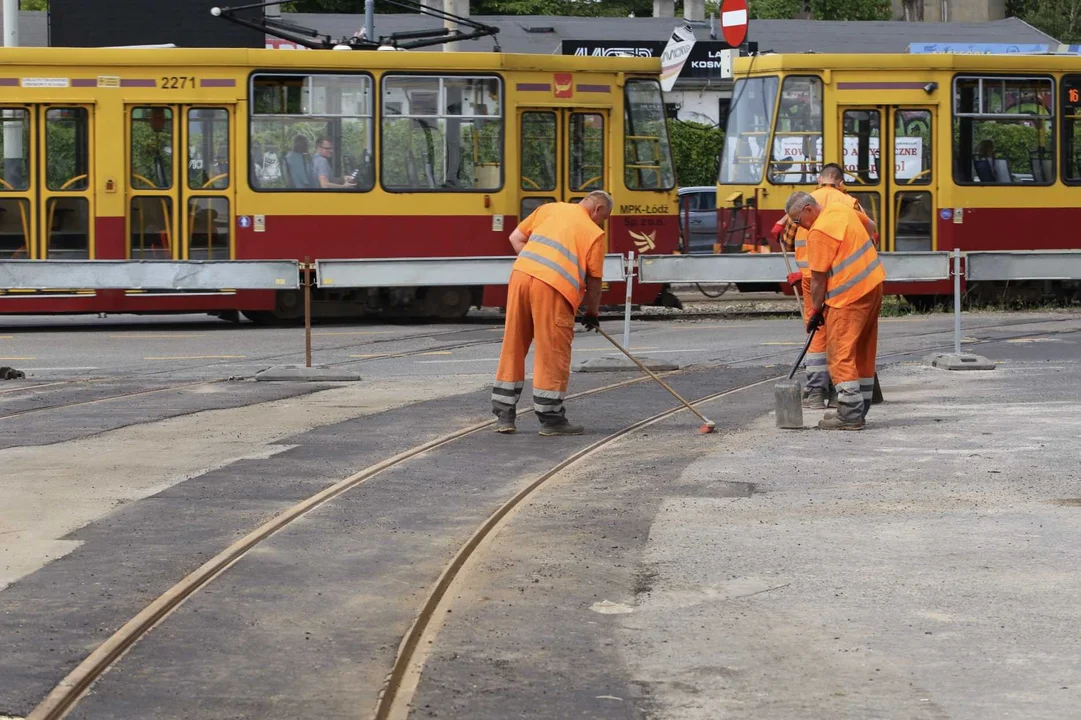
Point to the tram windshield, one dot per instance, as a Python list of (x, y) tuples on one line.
[(744, 155)]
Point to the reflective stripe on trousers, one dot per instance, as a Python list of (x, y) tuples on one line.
[(548, 401), (507, 393), (867, 388), (818, 375)]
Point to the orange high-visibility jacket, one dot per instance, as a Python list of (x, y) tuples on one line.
[(838, 245), (564, 247), (823, 195)]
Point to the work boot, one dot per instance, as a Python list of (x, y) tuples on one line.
[(505, 415), (850, 409), (815, 398), (555, 423)]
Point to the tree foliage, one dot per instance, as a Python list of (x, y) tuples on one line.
[(1061, 19), (695, 149)]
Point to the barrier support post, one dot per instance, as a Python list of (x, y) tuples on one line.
[(956, 301), (628, 276), (958, 360), (307, 312)]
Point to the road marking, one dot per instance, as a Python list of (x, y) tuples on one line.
[(459, 360), (797, 344), (357, 332), (17, 358), (609, 349), (151, 336), (7, 337), (731, 326), (196, 357), (395, 356), (37, 369)]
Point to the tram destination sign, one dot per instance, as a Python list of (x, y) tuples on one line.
[(704, 62)]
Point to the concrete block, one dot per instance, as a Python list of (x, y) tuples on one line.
[(964, 361), (620, 363), (788, 401), (299, 373)]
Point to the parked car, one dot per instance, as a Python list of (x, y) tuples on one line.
[(700, 203)]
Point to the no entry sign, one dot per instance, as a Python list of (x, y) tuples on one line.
[(734, 21)]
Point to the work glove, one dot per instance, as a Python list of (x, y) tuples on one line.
[(795, 278), (817, 320), (591, 322)]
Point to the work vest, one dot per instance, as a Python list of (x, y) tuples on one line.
[(855, 268), (559, 245), (824, 195)]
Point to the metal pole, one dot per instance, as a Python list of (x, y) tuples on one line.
[(307, 312), (11, 23), (369, 19), (956, 301), (628, 272)]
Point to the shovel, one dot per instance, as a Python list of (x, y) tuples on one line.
[(788, 394)]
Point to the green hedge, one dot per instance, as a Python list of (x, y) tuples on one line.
[(695, 150)]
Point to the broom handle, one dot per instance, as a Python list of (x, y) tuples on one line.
[(649, 372), (806, 345), (795, 288)]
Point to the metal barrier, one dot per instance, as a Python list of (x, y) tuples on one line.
[(1024, 265), (771, 267), (150, 274), (428, 272)]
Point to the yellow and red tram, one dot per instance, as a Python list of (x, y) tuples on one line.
[(186, 154), (977, 152)]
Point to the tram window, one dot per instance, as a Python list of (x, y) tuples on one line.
[(1071, 129), (862, 132), (442, 133), (539, 152), (208, 148), (311, 133), (586, 138), (1004, 131), (208, 228), (68, 227), (151, 228), (14, 228), (647, 155), (152, 148), (66, 149), (797, 138), (15, 145), (745, 137), (912, 147)]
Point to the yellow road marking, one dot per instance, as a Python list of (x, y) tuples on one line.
[(196, 357), (782, 343), (612, 349), (387, 355), (7, 337), (358, 332), (137, 336), (18, 358), (731, 326)]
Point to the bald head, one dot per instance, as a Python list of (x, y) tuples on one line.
[(599, 206), (831, 175)]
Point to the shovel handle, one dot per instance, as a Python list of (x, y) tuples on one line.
[(806, 345)]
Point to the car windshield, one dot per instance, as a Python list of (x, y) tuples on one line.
[(744, 154)]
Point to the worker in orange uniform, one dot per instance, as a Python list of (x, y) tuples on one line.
[(830, 190), (560, 249), (846, 296)]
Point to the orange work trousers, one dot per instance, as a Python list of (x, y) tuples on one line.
[(817, 374), (852, 345), (535, 310)]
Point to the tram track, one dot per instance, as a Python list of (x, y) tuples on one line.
[(393, 702)]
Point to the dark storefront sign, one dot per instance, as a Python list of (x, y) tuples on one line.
[(703, 64)]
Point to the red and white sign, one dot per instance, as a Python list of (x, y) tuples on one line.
[(734, 21)]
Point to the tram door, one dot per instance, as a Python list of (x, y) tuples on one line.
[(889, 167), (46, 182), (561, 155), (179, 182)]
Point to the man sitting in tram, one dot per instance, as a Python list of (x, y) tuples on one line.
[(324, 175)]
